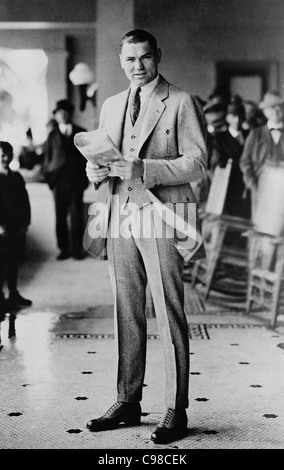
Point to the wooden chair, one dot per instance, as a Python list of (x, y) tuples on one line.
[(266, 264), (215, 226), (266, 274)]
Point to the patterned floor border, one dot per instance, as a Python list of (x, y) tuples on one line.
[(198, 331), (194, 332)]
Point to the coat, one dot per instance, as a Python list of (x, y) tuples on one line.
[(15, 215), (15, 210), (256, 152), (227, 147), (172, 145), (63, 163)]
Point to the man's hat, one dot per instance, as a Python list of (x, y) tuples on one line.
[(214, 105), (236, 107), (65, 105), (271, 98)]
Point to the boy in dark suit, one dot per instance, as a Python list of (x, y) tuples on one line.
[(15, 216)]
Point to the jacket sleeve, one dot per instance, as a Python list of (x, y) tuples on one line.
[(190, 164), (96, 186), (2, 208), (247, 162), (26, 206)]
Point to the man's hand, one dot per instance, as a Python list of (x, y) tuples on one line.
[(130, 168), (95, 173)]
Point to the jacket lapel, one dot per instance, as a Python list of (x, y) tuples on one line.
[(155, 110), (281, 142), (116, 121)]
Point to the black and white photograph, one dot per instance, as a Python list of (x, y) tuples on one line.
[(141, 228)]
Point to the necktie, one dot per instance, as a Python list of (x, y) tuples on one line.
[(135, 105)]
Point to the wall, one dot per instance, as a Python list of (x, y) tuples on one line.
[(70, 32), (115, 18), (195, 34), (48, 10)]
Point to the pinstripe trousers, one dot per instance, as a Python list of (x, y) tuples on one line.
[(135, 258)]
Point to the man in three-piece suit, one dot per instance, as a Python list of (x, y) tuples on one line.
[(64, 168), (161, 132)]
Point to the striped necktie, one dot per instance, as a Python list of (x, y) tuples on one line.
[(135, 105)]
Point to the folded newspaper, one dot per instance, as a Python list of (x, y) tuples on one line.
[(97, 147)]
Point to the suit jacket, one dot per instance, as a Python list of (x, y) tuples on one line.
[(172, 143), (228, 147), (15, 209), (15, 215), (63, 163), (255, 154)]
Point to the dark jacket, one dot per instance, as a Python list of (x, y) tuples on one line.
[(237, 202), (63, 163), (15, 210)]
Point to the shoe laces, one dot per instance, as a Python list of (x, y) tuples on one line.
[(167, 418), (112, 408)]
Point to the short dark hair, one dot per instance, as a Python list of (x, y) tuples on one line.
[(6, 147), (139, 35)]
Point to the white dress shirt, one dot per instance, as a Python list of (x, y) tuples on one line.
[(275, 133), (236, 134), (65, 129), (146, 89)]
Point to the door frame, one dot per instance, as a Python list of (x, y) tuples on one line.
[(266, 70)]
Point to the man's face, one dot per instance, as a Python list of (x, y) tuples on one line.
[(214, 119), (62, 116), (234, 120), (5, 160), (274, 114), (140, 62)]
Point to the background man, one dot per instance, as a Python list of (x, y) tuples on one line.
[(161, 131), (265, 144), (65, 174)]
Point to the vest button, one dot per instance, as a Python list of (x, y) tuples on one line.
[(133, 137), (129, 189), (131, 150)]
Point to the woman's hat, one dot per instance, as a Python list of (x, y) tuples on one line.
[(64, 105)]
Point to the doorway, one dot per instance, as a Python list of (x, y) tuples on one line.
[(250, 80), (23, 95)]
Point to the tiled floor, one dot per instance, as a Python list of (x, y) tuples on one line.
[(58, 366), (53, 383)]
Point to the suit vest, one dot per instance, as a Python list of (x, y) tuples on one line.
[(276, 151), (132, 190)]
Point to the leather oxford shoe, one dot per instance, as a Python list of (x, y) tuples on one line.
[(128, 413), (172, 427), (63, 255)]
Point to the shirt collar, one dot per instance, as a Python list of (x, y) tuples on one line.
[(273, 126), (148, 88), (233, 132), (65, 128)]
